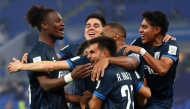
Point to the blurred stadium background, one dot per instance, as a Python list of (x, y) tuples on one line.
[(16, 37)]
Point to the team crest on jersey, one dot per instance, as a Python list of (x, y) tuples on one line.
[(172, 50), (37, 59), (157, 55)]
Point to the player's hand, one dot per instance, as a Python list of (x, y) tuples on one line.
[(131, 48), (14, 66), (87, 95), (81, 71), (24, 58), (168, 37), (99, 68)]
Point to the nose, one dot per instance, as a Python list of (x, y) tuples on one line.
[(140, 30)]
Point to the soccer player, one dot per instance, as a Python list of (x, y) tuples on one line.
[(46, 89), (93, 27), (160, 58), (114, 90)]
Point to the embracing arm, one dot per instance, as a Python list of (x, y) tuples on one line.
[(50, 84), (159, 66), (43, 66), (129, 63), (95, 103), (46, 66)]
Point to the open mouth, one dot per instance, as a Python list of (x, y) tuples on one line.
[(91, 34)]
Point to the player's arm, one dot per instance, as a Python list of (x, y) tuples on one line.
[(127, 62), (159, 66), (79, 72), (95, 103), (143, 94), (42, 66)]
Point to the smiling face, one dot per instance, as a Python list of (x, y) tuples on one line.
[(54, 25), (147, 32), (93, 28), (94, 53)]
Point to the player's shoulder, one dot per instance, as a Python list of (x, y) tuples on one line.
[(137, 41), (171, 42)]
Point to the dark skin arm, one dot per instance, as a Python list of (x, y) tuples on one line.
[(143, 94), (95, 103), (128, 63)]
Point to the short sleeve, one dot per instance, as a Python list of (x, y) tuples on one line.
[(68, 52), (37, 55), (78, 60), (171, 50), (104, 86)]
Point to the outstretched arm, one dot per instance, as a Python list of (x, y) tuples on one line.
[(95, 103), (43, 66)]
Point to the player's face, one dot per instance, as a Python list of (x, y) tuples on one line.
[(55, 25), (147, 32), (93, 28), (94, 53)]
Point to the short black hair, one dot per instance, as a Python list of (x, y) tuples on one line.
[(118, 28), (82, 47), (98, 16), (105, 42), (157, 18), (37, 14)]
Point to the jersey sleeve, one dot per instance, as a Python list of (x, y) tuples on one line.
[(37, 55), (104, 86), (137, 56), (78, 60), (171, 50), (137, 81), (68, 52)]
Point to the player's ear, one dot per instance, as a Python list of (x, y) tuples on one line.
[(44, 25), (105, 53), (157, 30), (116, 36)]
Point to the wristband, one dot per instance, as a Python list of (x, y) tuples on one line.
[(68, 78), (143, 51)]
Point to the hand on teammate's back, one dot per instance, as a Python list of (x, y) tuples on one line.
[(81, 71), (167, 37), (24, 58), (98, 69)]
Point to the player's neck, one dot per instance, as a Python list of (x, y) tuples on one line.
[(47, 39), (157, 41), (119, 45)]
